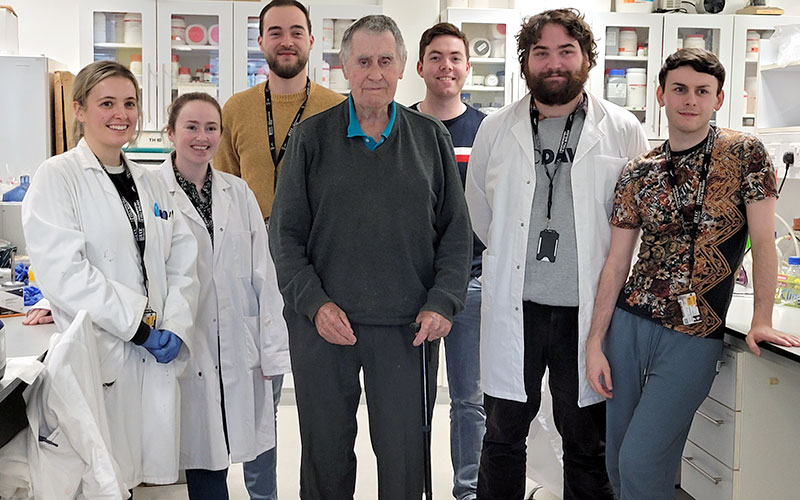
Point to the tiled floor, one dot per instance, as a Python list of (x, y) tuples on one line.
[(366, 484)]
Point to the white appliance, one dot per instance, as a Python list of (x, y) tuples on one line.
[(26, 101)]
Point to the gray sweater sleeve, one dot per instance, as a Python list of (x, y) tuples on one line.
[(289, 229), (454, 250)]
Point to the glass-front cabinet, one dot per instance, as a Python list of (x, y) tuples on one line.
[(713, 33), (123, 31), (249, 64), (627, 70), (494, 80), (172, 47), (328, 24), (195, 48)]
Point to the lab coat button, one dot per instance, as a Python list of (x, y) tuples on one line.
[(516, 308), (199, 374), (521, 224), (517, 267)]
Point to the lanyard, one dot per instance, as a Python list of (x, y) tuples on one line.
[(135, 217), (562, 147), (277, 156), (691, 230)]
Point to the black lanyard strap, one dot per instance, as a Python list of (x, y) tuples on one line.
[(691, 229), (277, 156), (135, 216), (562, 148)]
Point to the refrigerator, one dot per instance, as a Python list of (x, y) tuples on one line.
[(26, 114)]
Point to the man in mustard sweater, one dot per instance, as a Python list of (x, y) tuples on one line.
[(257, 124)]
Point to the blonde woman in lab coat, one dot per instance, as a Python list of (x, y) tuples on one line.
[(104, 236), (226, 410)]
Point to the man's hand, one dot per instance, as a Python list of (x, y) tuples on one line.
[(332, 324), (762, 333), (598, 372), (433, 326), (38, 317)]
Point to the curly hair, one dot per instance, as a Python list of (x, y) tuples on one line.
[(572, 21)]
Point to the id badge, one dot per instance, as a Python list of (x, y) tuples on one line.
[(149, 317), (691, 313), (548, 245)]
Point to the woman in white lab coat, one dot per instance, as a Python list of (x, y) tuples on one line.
[(104, 236), (241, 338)]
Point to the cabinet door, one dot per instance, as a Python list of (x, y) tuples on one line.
[(748, 32), (716, 32), (249, 64), (491, 34), (614, 56), (194, 36), (328, 23), (104, 36)]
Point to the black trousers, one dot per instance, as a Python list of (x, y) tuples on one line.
[(327, 389), (551, 341)]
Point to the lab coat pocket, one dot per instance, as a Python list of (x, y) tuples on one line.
[(63, 465), (606, 172), (242, 252), (251, 337)]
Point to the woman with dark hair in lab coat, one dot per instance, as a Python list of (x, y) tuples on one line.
[(104, 236), (226, 405)]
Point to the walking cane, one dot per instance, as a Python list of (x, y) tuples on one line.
[(424, 359)]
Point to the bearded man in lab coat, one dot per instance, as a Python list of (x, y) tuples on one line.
[(539, 190)]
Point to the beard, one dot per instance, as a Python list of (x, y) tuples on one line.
[(560, 93), (287, 71)]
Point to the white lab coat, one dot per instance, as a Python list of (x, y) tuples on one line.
[(84, 257), (239, 325), (501, 179)]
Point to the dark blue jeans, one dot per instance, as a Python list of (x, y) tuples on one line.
[(207, 484), (551, 341)]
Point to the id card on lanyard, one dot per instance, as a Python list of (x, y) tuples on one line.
[(277, 155), (547, 246), (690, 309), (135, 216)]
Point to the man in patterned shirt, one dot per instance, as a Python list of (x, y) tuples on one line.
[(695, 199)]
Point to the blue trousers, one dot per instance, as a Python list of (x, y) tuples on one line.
[(660, 377), (467, 416)]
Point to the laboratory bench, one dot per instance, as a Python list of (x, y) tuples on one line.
[(24, 346), (744, 443)]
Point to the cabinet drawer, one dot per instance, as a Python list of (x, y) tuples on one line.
[(704, 477), (724, 388), (714, 430)]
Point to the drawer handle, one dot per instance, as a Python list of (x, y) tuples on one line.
[(715, 421), (690, 461)]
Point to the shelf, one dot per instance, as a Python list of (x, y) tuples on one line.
[(487, 60), (779, 130), (331, 51), (794, 66), (110, 45), (751, 60), (626, 58), (634, 109), (482, 88), (200, 48), (252, 48)]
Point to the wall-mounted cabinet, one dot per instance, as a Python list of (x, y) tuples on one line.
[(495, 77), (328, 24)]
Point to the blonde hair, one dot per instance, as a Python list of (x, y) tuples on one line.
[(88, 78)]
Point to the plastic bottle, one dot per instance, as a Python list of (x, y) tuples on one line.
[(132, 33), (791, 294), (176, 67), (207, 73), (617, 87), (637, 87), (628, 41), (136, 64), (612, 41)]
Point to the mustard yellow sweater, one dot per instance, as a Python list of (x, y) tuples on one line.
[(244, 148)]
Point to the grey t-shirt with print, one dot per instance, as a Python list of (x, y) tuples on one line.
[(554, 283)]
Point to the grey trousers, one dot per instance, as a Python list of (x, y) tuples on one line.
[(327, 388), (660, 377)]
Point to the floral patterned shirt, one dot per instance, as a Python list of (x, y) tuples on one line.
[(202, 200), (740, 173)]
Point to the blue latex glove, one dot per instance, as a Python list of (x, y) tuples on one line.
[(154, 340), (21, 272), (31, 295), (170, 349)]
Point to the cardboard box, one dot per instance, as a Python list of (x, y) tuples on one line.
[(9, 31), (64, 112)]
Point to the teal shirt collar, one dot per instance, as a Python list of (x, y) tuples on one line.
[(354, 128)]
